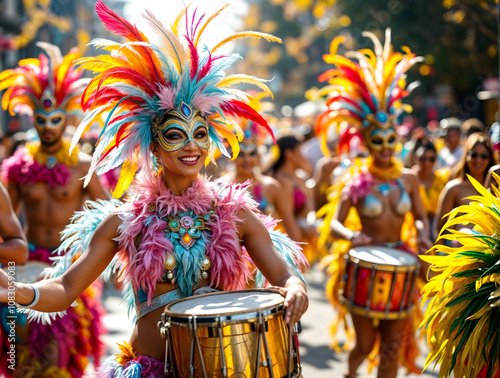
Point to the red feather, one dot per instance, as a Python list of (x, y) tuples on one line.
[(127, 75), (327, 75), (241, 109), (118, 25), (346, 99)]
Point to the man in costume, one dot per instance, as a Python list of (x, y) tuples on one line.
[(370, 204), (44, 183), (176, 234)]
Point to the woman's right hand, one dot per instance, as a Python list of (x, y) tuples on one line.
[(360, 239)]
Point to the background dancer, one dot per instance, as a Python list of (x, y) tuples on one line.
[(44, 183)]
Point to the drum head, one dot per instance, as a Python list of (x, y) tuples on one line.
[(227, 303), (383, 256)]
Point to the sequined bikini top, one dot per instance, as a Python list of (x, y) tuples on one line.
[(372, 207)]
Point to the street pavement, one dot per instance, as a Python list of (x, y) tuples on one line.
[(318, 360)]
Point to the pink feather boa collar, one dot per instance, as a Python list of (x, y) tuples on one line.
[(145, 266), (22, 169)]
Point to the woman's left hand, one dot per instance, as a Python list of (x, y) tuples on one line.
[(296, 300)]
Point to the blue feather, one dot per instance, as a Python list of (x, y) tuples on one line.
[(288, 249)]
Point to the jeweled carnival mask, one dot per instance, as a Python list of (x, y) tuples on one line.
[(54, 119), (379, 139), (177, 127)]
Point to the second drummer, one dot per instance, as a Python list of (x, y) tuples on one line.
[(380, 191)]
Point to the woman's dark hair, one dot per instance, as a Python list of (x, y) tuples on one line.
[(285, 143), (421, 146), (474, 139)]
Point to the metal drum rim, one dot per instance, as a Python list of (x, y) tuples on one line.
[(234, 318)]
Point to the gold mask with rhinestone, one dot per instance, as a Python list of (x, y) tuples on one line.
[(177, 127)]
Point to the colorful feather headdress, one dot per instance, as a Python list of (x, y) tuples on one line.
[(367, 93), (140, 81), (47, 83)]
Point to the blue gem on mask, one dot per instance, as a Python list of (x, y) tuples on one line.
[(382, 117), (186, 110), (47, 103)]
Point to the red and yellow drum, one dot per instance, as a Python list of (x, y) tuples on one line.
[(379, 282)]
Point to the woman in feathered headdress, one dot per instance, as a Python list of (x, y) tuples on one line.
[(44, 182), (368, 94), (177, 234)]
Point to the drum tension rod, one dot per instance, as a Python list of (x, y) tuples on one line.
[(194, 331), (164, 327), (222, 355), (269, 362)]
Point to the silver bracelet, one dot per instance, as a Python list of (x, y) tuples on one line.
[(34, 301), (354, 235)]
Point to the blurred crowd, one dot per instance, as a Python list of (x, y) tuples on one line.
[(291, 177)]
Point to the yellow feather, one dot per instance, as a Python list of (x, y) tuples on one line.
[(64, 67), (371, 58), (6, 98), (20, 100), (127, 174), (28, 61), (197, 39), (495, 278), (10, 82), (242, 78), (175, 24), (101, 63), (246, 34), (334, 45)]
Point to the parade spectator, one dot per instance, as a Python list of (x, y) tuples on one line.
[(44, 183), (286, 170), (177, 234), (477, 159), (431, 182), (471, 126), (266, 190), (452, 151)]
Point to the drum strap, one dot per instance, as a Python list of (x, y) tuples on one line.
[(159, 301), (163, 299)]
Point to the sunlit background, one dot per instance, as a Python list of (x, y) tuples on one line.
[(458, 38)]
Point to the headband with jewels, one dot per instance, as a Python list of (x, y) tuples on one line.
[(48, 83), (366, 94), (141, 80)]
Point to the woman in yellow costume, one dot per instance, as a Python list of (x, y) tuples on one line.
[(462, 317), (431, 182), (368, 95)]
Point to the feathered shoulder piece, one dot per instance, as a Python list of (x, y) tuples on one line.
[(463, 314), (365, 90), (140, 81), (47, 83)]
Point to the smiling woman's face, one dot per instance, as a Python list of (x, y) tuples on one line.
[(182, 142), (478, 160)]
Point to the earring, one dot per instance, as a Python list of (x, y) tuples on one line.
[(157, 163)]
